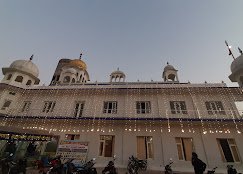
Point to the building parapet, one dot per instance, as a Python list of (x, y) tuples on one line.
[(129, 85)]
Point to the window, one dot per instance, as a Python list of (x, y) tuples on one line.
[(6, 104), (19, 79), (106, 145), (110, 107), (145, 147), (49, 106), (9, 76), (26, 106), (143, 107), (228, 150), (239, 107), (184, 148), (12, 93), (79, 107), (215, 107), (58, 77), (72, 137), (178, 107), (66, 79), (28, 82)]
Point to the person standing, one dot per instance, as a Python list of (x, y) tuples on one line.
[(199, 165)]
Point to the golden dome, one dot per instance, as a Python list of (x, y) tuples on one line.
[(78, 63)]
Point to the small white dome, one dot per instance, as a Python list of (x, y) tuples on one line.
[(70, 70), (237, 64), (117, 72), (26, 66), (169, 67)]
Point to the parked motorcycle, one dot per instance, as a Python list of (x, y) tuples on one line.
[(11, 167), (110, 168), (134, 164), (231, 170), (212, 171), (56, 166), (69, 167), (87, 168), (5, 163), (168, 169)]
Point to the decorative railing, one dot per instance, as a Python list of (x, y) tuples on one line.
[(127, 115), (129, 85)]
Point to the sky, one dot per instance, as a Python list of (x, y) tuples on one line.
[(138, 36)]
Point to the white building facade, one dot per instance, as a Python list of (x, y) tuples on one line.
[(157, 121)]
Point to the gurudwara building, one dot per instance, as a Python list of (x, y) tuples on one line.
[(158, 120)]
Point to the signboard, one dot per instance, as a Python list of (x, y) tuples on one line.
[(24, 137), (73, 149)]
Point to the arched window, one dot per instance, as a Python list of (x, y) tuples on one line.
[(9, 76), (66, 79), (73, 80), (19, 79), (28, 82)]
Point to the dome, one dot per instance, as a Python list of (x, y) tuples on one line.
[(169, 67), (117, 72), (70, 70), (26, 66), (78, 63), (237, 64)]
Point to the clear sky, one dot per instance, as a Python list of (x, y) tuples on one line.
[(138, 36)]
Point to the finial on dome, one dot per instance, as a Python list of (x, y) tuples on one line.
[(167, 63), (118, 69), (80, 56), (31, 57), (240, 50), (229, 48)]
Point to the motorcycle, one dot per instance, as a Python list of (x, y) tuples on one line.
[(134, 164), (231, 169), (11, 167), (110, 168), (56, 166), (212, 171), (69, 167), (168, 169), (87, 168), (5, 164)]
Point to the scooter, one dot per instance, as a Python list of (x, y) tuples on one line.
[(87, 168), (110, 168), (212, 171)]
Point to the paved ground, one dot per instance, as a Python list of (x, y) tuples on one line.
[(120, 171)]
